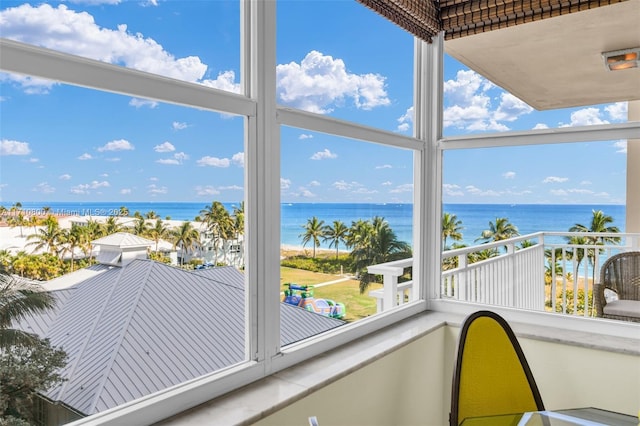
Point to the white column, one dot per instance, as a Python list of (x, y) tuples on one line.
[(633, 173)]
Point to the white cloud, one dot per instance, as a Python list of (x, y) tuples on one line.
[(9, 147), (44, 188), (87, 188), (95, 2), (323, 155), (34, 160), (176, 125), (405, 121), (469, 104), (178, 158), (117, 145), (509, 175), (585, 117), (139, 103), (65, 176), (384, 166), (225, 81), (29, 85), (481, 192), (238, 159), (155, 190), (621, 147), (319, 83), (558, 192), (125, 191), (112, 159), (407, 187), (511, 108), (343, 185), (60, 28), (231, 188), (617, 111), (206, 190), (314, 183), (555, 179), (85, 156), (213, 162), (386, 183), (305, 136), (452, 190), (540, 126), (285, 183), (164, 147)]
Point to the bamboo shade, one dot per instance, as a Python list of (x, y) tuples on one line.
[(459, 18)]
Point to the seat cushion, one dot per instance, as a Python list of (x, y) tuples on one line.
[(625, 308)]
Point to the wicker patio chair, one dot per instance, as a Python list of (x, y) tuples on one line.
[(621, 274)]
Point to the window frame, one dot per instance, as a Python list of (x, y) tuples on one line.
[(262, 195)]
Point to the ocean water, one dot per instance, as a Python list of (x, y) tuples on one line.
[(475, 217)]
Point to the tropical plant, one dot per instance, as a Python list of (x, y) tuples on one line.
[(140, 226), (218, 222), (600, 223), (502, 229), (313, 231), (335, 234), (18, 300), (112, 226), (380, 245), (27, 363), (186, 237), (158, 232), (48, 237), (451, 228), (73, 238)]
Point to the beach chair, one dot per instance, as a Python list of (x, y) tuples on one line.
[(491, 376), (620, 274)]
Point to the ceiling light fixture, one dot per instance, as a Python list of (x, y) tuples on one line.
[(622, 59)]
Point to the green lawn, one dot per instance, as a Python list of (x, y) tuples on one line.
[(348, 292)]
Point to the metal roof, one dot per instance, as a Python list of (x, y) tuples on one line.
[(139, 329), (123, 239)]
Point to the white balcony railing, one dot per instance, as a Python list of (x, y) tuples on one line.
[(541, 271)]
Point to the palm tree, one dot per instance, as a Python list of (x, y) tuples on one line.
[(186, 237), (48, 236), (158, 231), (218, 222), (140, 226), (334, 234), (381, 245), (18, 300), (124, 211), (151, 215), (19, 220), (76, 237), (313, 231), (599, 223), (451, 228), (502, 229), (111, 226)]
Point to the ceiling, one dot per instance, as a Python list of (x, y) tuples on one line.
[(557, 62)]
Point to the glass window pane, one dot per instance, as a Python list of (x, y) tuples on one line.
[(346, 206), (141, 200), (553, 191), (473, 104), (359, 68), (195, 41)]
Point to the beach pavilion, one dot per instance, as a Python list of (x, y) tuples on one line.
[(396, 367)]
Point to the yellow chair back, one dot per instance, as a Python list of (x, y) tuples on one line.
[(492, 376)]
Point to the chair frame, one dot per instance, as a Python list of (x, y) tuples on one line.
[(610, 281), (455, 390)]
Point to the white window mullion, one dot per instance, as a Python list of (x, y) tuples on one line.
[(263, 181), (428, 60)]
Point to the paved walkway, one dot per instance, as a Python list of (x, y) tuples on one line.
[(340, 280)]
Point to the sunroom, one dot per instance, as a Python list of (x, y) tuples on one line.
[(394, 367)]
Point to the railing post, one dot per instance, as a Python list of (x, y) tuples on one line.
[(390, 291), (461, 285)]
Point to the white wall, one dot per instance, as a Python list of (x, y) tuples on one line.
[(412, 386)]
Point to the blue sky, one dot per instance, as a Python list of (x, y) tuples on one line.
[(65, 143)]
